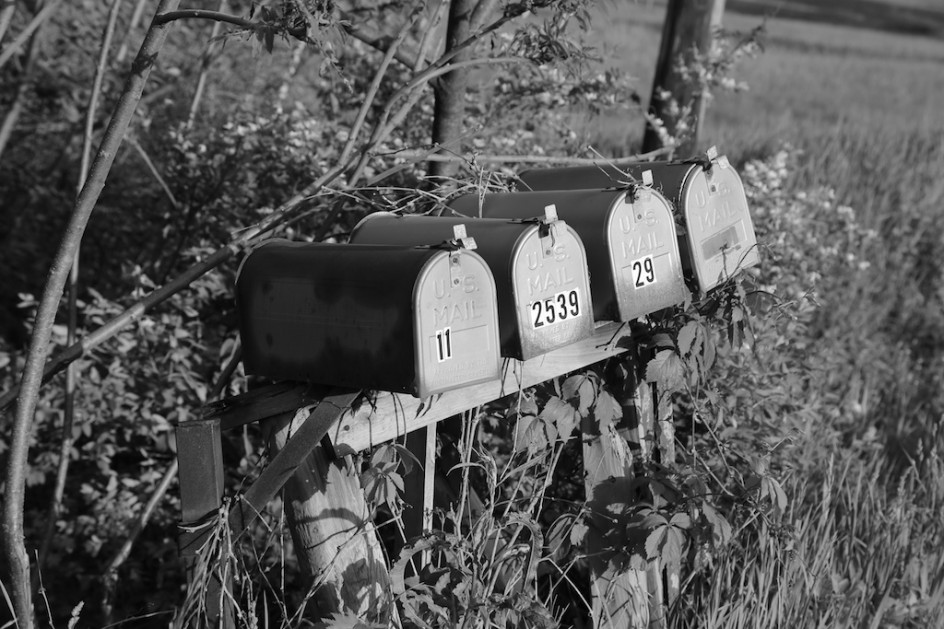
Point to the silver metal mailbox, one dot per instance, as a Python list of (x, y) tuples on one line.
[(708, 194), (540, 270), (418, 320), (629, 235)]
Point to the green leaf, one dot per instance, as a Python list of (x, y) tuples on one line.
[(561, 415), (681, 521), (606, 410), (654, 541), (579, 388), (686, 338), (720, 527), (666, 370), (578, 533)]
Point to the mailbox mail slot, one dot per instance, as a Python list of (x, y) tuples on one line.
[(708, 194), (417, 320), (629, 235), (540, 269)]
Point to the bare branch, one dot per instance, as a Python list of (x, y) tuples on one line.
[(200, 14), (27, 32), (418, 156), (153, 170), (7, 9), (204, 70), (360, 31), (132, 24), (65, 446), (14, 551)]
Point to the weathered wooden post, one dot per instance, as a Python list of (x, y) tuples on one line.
[(334, 537), (676, 99), (200, 460)]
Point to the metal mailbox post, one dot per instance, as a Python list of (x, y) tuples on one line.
[(629, 235), (707, 193), (540, 269), (418, 320)]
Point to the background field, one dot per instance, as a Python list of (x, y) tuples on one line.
[(854, 93)]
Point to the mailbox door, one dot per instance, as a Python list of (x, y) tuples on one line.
[(646, 252), (632, 248), (720, 230), (499, 242), (552, 290), (456, 323)]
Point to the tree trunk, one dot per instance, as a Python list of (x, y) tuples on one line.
[(676, 100), (449, 109)]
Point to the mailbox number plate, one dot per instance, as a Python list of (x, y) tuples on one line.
[(562, 306), (644, 272), (444, 344)]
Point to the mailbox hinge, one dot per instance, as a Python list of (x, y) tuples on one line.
[(551, 230)]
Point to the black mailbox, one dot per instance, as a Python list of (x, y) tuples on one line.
[(419, 320)]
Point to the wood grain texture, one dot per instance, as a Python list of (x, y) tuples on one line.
[(389, 416)]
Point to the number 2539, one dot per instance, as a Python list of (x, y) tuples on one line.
[(562, 306)]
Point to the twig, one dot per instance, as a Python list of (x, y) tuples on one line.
[(27, 32), (165, 17), (6, 15), (133, 142), (429, 36), (374, 87), (68, 419), (420, 156), (13, 114), (14, 551), (110, 576), (205, 62), (356, 28), (132, 24)]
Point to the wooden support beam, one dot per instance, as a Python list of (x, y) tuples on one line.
[(390, 415)]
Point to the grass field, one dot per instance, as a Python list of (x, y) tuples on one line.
[(855, 93)]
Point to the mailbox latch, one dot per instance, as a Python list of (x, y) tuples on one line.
[(551, 231)]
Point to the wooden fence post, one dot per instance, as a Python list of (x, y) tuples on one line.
[(200, 469), (334, 536)]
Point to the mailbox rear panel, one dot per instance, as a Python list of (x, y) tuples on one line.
[(619, 234), (530, 274), (345, 315)]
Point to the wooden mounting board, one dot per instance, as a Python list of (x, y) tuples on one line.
[(388, 416), (391, 415)]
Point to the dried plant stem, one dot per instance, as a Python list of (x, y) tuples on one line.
[(14, 551), (27, 32)]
